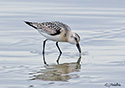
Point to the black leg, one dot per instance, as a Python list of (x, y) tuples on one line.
[(44, 42), (59, 51), (58, 48)]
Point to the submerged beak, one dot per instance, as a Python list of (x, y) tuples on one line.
[(78, 46)]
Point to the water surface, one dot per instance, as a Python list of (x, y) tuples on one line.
[(100, 24)]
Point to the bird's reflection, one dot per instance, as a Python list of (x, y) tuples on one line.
[(44, 59), (58, 72)]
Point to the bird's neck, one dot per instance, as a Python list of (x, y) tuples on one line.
[(71, 38)]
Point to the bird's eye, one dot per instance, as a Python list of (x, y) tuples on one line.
[(75, 38)]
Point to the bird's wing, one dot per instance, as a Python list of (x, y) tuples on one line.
[(52, 28), (60, 24)]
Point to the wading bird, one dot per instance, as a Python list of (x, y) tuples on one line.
[(56, 31)]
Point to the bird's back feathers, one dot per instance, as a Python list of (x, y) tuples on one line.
[(51, 28)]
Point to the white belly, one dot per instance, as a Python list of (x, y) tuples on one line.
[(54, 37)]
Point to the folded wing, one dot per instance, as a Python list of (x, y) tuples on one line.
[(51, 28)]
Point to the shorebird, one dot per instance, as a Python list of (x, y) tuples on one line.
[(56, 31)]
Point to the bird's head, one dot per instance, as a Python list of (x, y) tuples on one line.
[(74, 39)]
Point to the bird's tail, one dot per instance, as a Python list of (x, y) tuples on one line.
[(33, 24)]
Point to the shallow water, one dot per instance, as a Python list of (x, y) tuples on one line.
[(100, 24)]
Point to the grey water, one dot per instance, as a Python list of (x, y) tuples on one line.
[(101, 26)]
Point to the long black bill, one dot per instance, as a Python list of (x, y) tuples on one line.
[(78, 46)]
